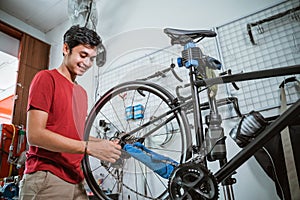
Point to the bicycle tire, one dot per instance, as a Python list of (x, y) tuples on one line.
[(131, 178)]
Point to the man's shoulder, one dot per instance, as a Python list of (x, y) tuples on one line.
[(44, 76), (46, 73)]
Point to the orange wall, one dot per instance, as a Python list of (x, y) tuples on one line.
[(6, 109)]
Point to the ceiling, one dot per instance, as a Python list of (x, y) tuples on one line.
[(44, 15)]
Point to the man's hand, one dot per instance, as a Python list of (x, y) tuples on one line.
[(104, 150)]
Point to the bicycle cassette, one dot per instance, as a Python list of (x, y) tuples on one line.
[(191, 181)]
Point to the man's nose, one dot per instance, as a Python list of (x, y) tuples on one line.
[(87, 62)]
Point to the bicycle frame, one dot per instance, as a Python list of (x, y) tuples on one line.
[(228, 167)]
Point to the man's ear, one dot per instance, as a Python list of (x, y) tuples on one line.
[(66, 49)]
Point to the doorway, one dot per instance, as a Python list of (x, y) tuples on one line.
[(9, 63)]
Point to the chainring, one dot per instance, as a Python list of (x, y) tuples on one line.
[(191, 181)]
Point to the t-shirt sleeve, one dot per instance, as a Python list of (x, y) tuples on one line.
[(41, 92)]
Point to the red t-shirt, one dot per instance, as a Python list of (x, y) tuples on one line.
[(66, 105)]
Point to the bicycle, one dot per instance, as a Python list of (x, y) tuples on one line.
[(141, 111)]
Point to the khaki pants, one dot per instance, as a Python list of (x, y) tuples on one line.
[(43, 185)]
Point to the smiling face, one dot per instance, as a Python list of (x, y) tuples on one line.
[(79, 60)]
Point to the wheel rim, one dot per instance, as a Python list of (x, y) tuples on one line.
[(130, 177)]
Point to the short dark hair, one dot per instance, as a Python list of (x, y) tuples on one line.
[(81, 35)]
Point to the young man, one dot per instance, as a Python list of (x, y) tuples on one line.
[(57, 109)]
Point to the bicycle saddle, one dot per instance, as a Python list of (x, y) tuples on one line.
[(184, 36)]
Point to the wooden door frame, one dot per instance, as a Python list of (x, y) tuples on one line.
[(33, 57)]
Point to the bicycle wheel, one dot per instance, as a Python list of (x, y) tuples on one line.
[(112, 116)]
